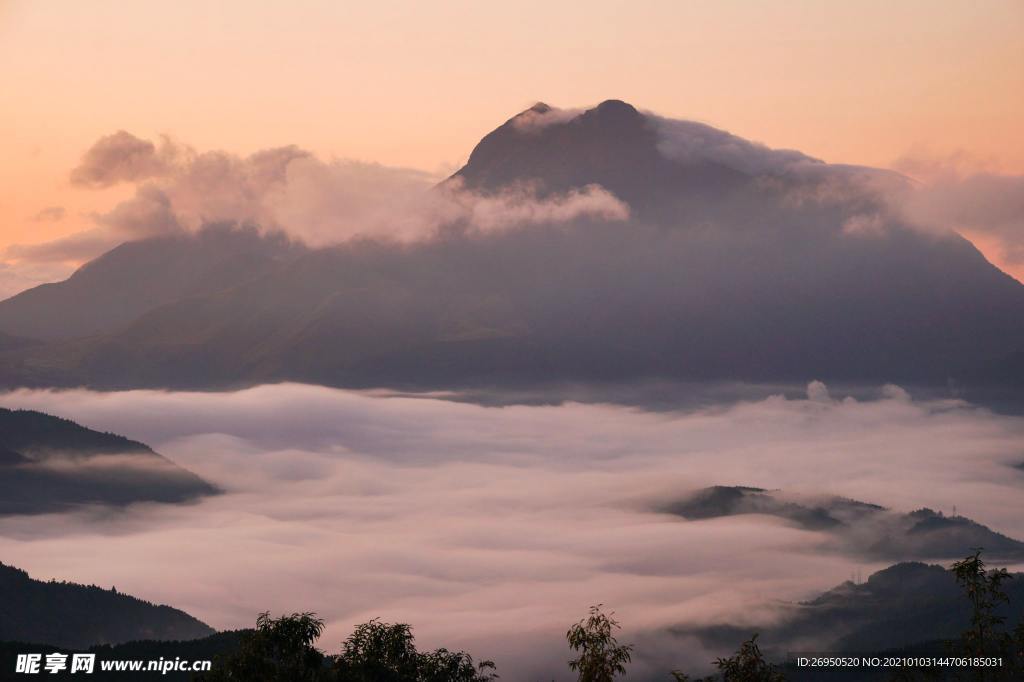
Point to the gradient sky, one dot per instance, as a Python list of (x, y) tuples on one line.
[(417, 84)]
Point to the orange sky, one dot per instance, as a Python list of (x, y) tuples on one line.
[(417, 84)]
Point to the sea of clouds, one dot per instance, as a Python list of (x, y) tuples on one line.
[(494, 528)]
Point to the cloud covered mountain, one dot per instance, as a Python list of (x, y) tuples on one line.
[(865, 530), (51, 465), (900, 606), (138, 276), (601, 245)]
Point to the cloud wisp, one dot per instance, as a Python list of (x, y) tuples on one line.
[(123, 157), (940, 195), (50, 214), (288, 189), (979, 202)]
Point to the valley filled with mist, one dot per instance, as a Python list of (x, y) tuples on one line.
[(490, 528)]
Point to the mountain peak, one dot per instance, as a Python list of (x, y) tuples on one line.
[(612, 145), (617, 108), (564, 148)]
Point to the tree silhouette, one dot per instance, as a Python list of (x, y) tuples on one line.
[(985, 637), (378, 651), (984, 589), (385, 652), (601, 657), (748, 664), (279, 649)]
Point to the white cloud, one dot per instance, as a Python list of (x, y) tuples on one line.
[(286, 189), (690, 142), (319, 201), (540, 116), (122, 157)]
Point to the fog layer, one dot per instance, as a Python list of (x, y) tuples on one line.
[(494, 528)]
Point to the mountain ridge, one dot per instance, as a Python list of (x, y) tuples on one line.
[(136, 276), (49, 464), (79, 616), (900, 606), (861, 529)]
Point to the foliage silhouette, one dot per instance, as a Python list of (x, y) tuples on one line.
[(984, 589), (601, 657), (748, 664), (986, 637), (282, 650), (278, 649), (386, 652)]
